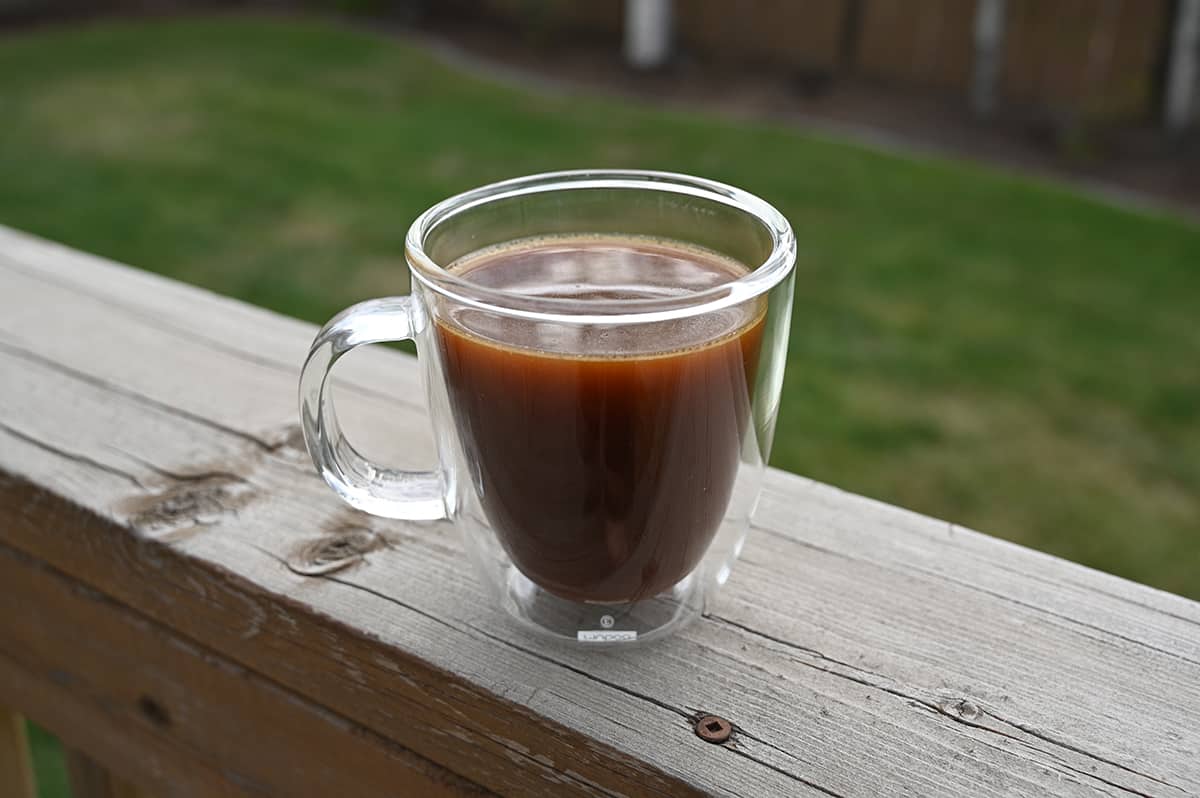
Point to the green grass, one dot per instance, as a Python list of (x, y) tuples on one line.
[(979, 347), (48, 764)]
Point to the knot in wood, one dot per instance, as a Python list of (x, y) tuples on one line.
[(963, 708), (201, 501), (341, 549), (196, 504), (713, 729)]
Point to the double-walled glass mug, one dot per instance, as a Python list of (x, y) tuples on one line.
[(602, 355)]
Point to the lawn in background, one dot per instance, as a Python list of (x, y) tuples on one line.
[(982, 348)]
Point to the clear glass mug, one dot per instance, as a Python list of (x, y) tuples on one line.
[(602, 499)]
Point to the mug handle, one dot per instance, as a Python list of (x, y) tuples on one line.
[(387, 492)]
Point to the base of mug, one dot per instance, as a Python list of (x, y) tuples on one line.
[(607, 624)]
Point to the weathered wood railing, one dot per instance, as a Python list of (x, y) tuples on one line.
[(175, 610)]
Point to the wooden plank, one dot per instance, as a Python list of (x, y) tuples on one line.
[(860, 649), (1098, 61), (926, 44), (159, 710), (16, 767), (779, 33), (89, 780)]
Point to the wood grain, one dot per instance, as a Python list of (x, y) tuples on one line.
[(16, 767), (148, 446)]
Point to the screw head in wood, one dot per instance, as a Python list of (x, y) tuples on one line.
[(713, 729)]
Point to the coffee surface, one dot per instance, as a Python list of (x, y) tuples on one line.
[(604, 455)]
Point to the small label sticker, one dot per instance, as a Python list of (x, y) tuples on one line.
[(605, 635)]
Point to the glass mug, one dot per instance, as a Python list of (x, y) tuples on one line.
[(600, 453)]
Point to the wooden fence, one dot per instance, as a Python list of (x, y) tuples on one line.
[(1092, 61), (1099, 59)]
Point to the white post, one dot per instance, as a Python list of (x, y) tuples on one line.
[(647, 33), (1182, 71), (989, 46)]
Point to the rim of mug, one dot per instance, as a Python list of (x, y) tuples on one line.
[(760, 279)]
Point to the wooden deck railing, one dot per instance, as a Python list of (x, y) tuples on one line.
[(187, 606)]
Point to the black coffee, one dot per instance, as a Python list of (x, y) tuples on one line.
[(605, 455)]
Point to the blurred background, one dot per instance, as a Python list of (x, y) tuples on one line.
[(998, 299)]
